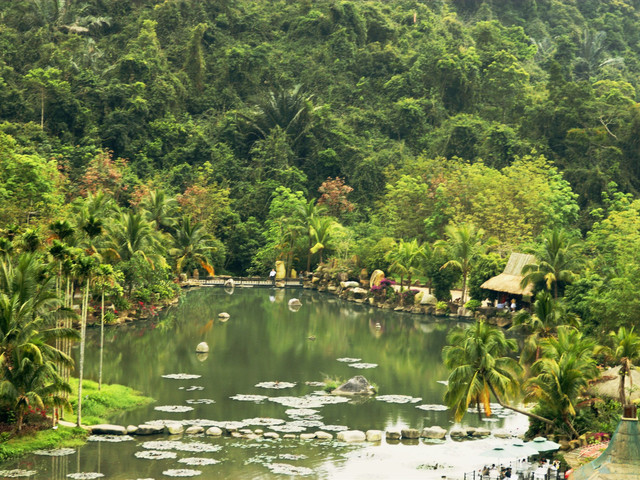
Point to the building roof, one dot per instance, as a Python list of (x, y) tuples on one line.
[(621, 459), (509, 280)]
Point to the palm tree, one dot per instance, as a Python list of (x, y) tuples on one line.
[(29, 313), (191, 243), (131, 234), (557, 262), (160, 208), (563, 373), (464, 244), (304, 214), (405, 258), (84, 269), (322, 228), (626, 350), (480, 366), (104, 277), (548, 314)]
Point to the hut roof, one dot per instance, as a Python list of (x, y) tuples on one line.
[(621, 459), (509, 280)]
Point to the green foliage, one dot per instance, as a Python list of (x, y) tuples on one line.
[(42, 440)]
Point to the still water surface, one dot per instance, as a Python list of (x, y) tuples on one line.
[(264, 341)]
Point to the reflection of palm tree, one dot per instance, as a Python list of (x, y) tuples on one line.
[(563, 373), (479, 365), (626, 344), (104, 277), (557, 262)]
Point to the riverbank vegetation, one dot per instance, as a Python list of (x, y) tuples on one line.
[(144, 140)]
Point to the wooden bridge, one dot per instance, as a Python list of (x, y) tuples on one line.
[(243, 282)]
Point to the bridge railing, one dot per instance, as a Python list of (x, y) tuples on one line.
[(245, 281)]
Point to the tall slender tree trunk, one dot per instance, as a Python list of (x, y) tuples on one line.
[(101, 341), (309, 254), (518, 410), (83, 334)]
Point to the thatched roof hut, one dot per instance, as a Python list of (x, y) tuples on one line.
[(621, 459), (509, 280)]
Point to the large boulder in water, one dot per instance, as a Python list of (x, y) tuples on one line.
[(357, 385)]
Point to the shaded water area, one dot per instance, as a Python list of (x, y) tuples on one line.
[(264, 341)]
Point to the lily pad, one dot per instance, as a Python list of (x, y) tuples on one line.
[(196, 461), (275, 385), (17, 473), (288, 428), (200, 401), (363, 366), (181, 446), (309, 401), (349, 360), (305, 422), (249, 398), (301, 412), (85, 475), (173, 408), (397, 399), (181, 472), (155, 455), (286, 469), (109, 438), (316, 384), (192, 388), (335, 428), (433, 408), (265, 421), (181, 376), (56, 452)]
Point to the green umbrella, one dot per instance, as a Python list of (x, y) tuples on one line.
[(499, 453), (541, 444), (523, 450)]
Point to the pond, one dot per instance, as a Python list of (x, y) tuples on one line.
[(264, 341)]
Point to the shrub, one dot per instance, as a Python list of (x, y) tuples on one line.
[(473, 304), (444, 306)]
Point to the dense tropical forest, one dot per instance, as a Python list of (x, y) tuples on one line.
[(140, 139)]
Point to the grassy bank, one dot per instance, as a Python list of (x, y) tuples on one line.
[(106, 405), (97, 407)]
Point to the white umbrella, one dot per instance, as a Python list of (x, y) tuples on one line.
[(541, 444)]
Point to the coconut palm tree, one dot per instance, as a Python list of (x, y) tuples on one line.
[(479, 364), (626, 351), (322, 228), (547, 315), (104, 277), (160, 209), (191, 243), (463, 246), (304, 214), (563, 373), (131, 234), (557, 262), (405, 259)]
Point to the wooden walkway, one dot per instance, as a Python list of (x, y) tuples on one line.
[(243, 282)]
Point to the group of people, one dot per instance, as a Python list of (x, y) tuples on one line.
[(536, 471), (507, 306), (493, 472)]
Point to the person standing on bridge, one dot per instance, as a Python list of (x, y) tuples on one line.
[(272, 276)]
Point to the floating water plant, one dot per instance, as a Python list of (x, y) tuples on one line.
[(335, 428), (110, 438), (265, 421), (200, 401), (181, 472), (156, 455), (173, 408), (286, 469), (397, 399), (181, 376), (288, 428), (301, 412), (85, 475), (192, 388), (17, 473), (275, 385), (316, 384), (349, 360), (196, 461), (308, 423), (291, 456), (433, 407), (56, 452), (180, 446), (363, 366), (249, 398)]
